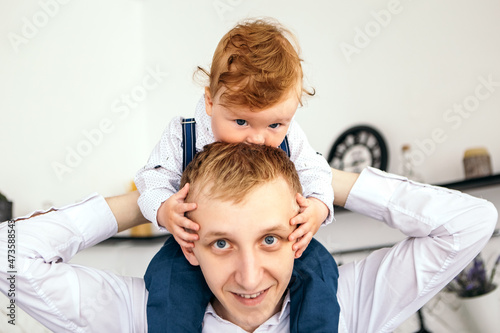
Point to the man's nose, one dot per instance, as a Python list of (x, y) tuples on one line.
[(249, 272)]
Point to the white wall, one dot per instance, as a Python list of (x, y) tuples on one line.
[(60, 77), (75, 71)]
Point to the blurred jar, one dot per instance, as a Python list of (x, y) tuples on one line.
[(477, 163)]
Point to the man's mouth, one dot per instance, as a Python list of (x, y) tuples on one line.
[(251, 299), (251, 295)]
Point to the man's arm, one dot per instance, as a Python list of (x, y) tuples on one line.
[(66, 297), (446, 229), (342, 183), (125, 210)]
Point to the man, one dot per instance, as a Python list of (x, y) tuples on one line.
[(243, 249)]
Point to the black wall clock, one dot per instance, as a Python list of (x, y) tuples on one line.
[(357, 148)]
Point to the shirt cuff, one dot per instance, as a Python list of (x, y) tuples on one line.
[(93, 218), (371, 193)]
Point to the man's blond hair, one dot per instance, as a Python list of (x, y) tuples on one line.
[(229, 171)]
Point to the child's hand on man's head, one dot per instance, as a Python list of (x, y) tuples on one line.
[(311, 215), (171, 215)]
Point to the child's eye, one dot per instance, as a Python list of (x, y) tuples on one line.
[(241, 122), (220, 244), (275, 125), (270, 240)]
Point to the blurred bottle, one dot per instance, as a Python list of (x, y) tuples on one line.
[(408, 166)]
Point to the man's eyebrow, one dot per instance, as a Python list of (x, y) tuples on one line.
[(272, 229), (215, 234), (276, 228)]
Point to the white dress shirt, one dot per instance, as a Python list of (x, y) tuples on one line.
[(157, 184), (446, 230)]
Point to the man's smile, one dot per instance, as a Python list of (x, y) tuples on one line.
[(251, 299)]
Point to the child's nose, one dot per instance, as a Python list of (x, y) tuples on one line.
[(256, 138)]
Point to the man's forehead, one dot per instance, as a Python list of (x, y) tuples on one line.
[(268, 209), (207, 191)]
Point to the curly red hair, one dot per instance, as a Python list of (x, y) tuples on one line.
[(258, 64)]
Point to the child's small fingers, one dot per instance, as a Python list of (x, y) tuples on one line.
[(184, 190), (183, 243), (179, 239), (189, 237), (299, 219), (299, 232), (294, 235), (185, 207), (301, 200), (188, 224), (302, 242)]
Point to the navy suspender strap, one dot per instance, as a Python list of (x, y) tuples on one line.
[(188, 141), (284, 146)]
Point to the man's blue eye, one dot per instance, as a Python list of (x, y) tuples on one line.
[(220, 244), (270, 240), (241, 122), (275, 125)]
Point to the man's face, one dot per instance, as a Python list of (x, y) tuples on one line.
[(244, 252)]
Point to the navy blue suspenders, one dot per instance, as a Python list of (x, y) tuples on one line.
[(189, 142), (284, 146)]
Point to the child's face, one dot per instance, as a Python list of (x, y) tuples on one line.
[(239, 124)]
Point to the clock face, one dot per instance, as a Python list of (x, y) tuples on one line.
[(357, 148)]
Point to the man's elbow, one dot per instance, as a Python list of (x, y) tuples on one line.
[(486, 216)]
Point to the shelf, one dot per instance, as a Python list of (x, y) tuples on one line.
[(462, 185), (473, 183)]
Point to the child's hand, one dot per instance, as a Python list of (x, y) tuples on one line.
[(311, 214), (171, 216)]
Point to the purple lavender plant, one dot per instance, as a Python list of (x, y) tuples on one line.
[(474, 280)]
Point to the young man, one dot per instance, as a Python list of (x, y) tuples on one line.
[(247, 263)]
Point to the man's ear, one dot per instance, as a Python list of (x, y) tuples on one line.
[(190, 256), (208, 102)]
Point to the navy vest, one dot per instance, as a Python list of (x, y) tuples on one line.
[(179, 295)]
